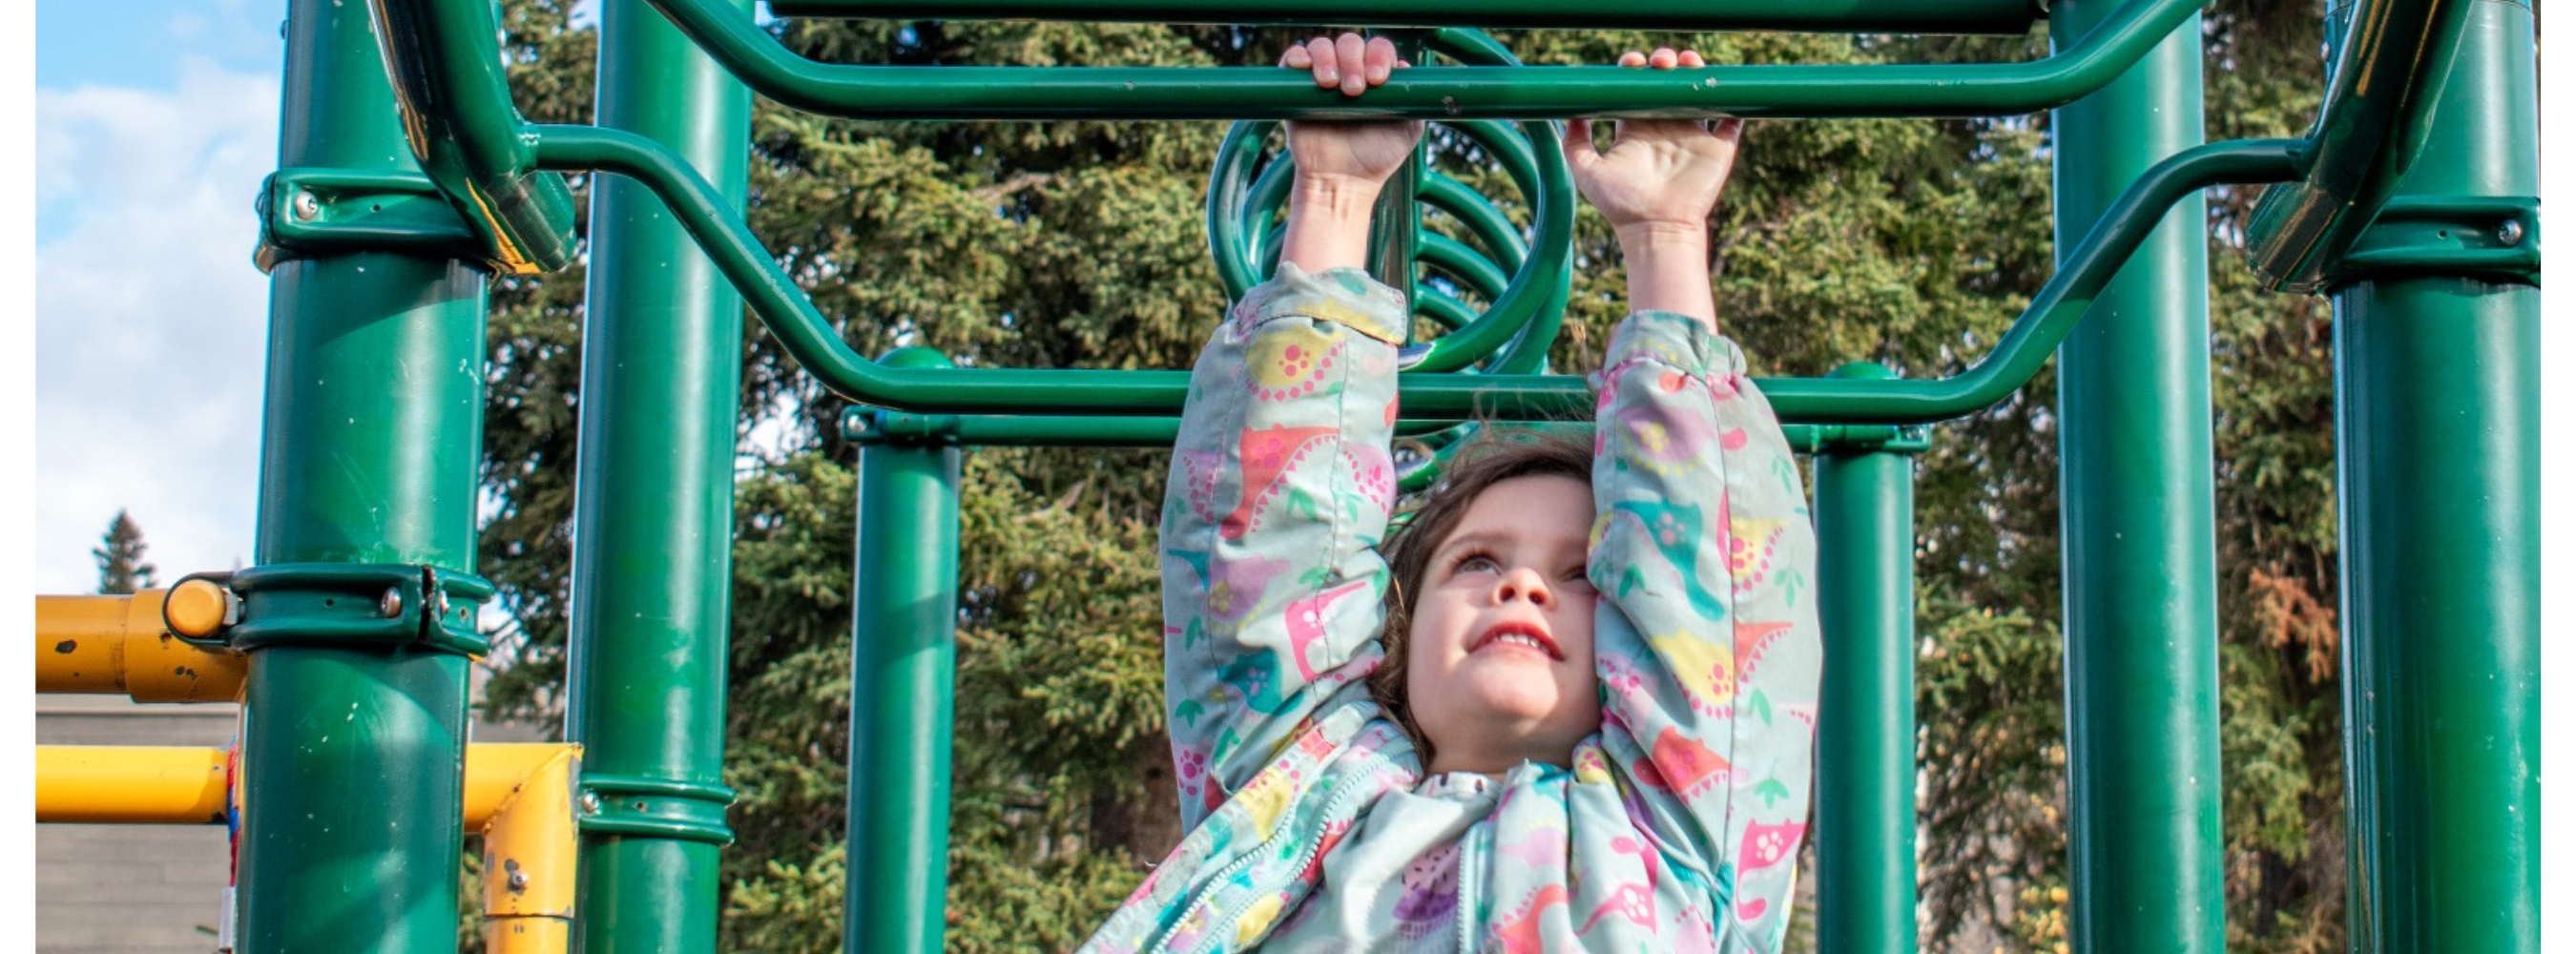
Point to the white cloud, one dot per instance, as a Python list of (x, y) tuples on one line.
[(151, 322)]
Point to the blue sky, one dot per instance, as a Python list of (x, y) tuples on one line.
[(154, 122)]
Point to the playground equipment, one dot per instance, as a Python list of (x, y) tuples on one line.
[(2411, 203)]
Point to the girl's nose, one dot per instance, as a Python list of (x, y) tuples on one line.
[(1519, 583)]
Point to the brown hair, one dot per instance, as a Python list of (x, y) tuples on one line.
[(1489, 458)]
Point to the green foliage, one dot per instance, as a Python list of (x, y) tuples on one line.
[(121, 567), (1913, 243)]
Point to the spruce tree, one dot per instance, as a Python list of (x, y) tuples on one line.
[(121, 568)]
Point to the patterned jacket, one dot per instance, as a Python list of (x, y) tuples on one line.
[(1312, 824)]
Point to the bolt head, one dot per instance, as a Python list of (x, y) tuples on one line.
[(2510, 233), (590, 802), (307, 208), (391, 604)]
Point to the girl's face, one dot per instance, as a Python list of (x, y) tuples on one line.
[(1499, 658)]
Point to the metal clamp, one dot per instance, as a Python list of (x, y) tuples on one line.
[(655, 808), (305, 213), (2493, 237), (375, 603), (1832, 439)]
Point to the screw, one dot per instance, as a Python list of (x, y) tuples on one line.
[(518, 881), (307, 208), (390, 604), (590, 803), (2510, 233)]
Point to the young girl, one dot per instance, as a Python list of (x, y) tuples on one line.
[(1572, 706)]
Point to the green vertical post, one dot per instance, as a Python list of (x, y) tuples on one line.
[(1395, 227), (903, 669), (2136, 486), (372, 438), (653, 524), (2438, 435), (1865, 723)]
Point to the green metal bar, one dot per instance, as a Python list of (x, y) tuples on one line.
[(1395, 225), (2140, 572), (1502, 241), (903, 665), (1456, 259), (805, 334), (1846, 16), (1865, 723), (1466, 92), (371, 443), (981, 430), (2392, 60), (1443, 309), (1512, 333), (653, 526), (2438, 451), (462, 130)]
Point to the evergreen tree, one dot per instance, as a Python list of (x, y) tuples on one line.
[(121, 568)]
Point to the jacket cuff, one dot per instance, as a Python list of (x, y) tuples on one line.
[(1343, 296), (1673, 340)]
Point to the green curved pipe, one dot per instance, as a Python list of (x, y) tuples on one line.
[(2393, 57), (463, 131), (1464, 92), (807, 336), (1454, 257)]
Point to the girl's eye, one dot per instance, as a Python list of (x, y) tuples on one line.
[(1476, 563)]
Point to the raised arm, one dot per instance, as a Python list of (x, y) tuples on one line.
[(1281, 479), (1708, 644)]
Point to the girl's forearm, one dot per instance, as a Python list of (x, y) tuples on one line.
[(1328, 224), (1668, 269)]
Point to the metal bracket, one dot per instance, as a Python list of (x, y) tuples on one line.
[(869, 425), (305, 213), (2493, 237), (1846, 439), (655, 808), (371, 603)]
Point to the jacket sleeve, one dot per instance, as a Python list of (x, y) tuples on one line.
[(1707, 639), (1280, 485)]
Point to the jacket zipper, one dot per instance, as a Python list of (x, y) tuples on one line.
[(1217, 928), (1468, 873)]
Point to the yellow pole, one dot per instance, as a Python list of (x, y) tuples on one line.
[(119, 645), (530, 847), (129, 784)]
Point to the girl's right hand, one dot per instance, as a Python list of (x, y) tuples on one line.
[(1360, 153)]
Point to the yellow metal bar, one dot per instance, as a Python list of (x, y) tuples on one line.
[(185, 786), (530, 851), (119, 645), (129, 784)]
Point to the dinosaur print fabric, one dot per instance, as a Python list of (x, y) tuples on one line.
[(1312, 825)]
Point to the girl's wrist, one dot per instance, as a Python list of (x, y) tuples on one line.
[(1645, 237), (1328, 222), (1668, 271)]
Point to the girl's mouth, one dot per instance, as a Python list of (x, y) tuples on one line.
[(1519, 634)]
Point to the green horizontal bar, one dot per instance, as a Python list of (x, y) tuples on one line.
[(1020, 430), (807, 336), (1462, 92), (1846, 16)]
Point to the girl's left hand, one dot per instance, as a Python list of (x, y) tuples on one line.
[(1657, 173)]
